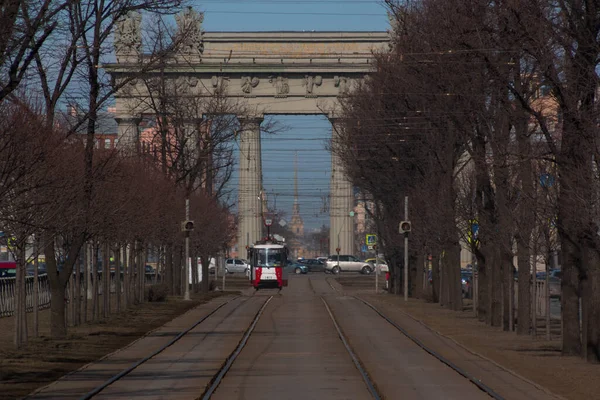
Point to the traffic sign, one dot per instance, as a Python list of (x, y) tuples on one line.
[(371, 239), (370, 247), (337, 250), (364, 248), (268, 222)]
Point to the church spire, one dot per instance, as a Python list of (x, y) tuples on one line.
[(296, 209)]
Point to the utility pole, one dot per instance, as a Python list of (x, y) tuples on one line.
[(376, 269), (406, 251), (187, 253)]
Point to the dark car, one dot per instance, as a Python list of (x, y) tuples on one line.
[(297, 268), (314, 265), (41, 268)]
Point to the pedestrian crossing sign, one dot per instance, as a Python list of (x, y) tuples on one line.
[(371, 240)]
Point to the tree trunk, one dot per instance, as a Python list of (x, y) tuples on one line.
[(105, 281), (118, 276), (419, 263), (593, 314), (128, 274), (77, 316), (454, 284), (524, 261), (412, 275), (168, 268), (435, 277), (194, 272), (36, 289), (71, 305), (570, 300), (95, 285), (497, 289), (177, 263), (86, 281), (142, 273), (507, 274), (205, 277)]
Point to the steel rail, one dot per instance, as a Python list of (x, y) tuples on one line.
[(489, 391), (133, 366), (216, 380), (359, 367)]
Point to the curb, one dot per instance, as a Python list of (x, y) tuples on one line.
[(515, 374), (84, 367)]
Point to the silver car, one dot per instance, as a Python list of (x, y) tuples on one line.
[(336, 264), (233, 265)]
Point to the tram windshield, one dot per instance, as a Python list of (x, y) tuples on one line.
[(270, 257)]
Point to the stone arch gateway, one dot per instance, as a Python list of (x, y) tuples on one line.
[(281, 73)]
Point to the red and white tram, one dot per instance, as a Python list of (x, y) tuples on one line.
[(268, 261)]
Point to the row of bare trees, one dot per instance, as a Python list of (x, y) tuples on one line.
[(75, 201), (485, 114)]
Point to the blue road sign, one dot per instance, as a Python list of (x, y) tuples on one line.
[(364, 248), (371, 240)]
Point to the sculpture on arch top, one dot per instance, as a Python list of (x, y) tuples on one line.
[(128, 37), (189, 31)]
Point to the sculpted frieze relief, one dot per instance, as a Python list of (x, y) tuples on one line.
[(220, 82), (343, 85), (282, 87), (310, 82), (248, 83)]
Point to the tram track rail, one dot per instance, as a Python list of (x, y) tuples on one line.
[(98, 389), (220, 375), (478, 383), (363, 372)]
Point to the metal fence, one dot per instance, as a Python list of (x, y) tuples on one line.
[(8, 285), (7, 294)]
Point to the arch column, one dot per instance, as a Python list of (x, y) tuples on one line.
[(128, 135), (341, 224), (250, 225)]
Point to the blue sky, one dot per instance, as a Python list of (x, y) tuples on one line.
[(305, 134)]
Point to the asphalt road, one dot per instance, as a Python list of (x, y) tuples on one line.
[(294, 352)]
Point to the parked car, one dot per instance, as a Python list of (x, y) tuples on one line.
[(233, 265), (297, 268), (314, 265), (336, 264), (381, 263), (41, 268)]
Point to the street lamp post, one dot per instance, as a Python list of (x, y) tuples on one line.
[(187, 253)]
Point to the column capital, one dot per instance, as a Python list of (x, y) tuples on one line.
[(128, 119), (251, 119)]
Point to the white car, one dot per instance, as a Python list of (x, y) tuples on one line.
[(336, 264), (233, 265), (382, 264)]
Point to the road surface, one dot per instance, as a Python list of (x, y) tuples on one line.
[(293, 352)]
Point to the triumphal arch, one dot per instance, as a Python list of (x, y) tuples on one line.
[(281, 73)]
